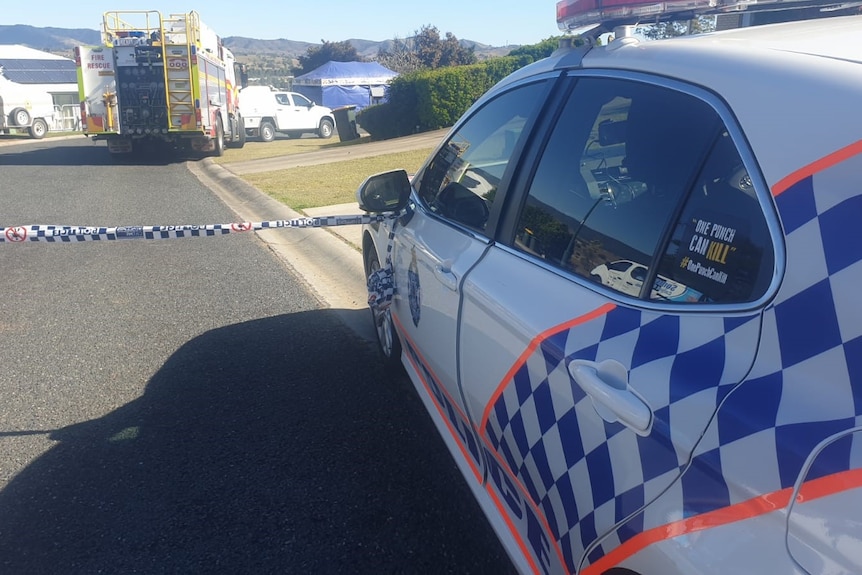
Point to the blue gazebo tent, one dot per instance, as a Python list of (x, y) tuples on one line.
[(337, 84)]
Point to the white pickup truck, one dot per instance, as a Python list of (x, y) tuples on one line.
[(267, 111)]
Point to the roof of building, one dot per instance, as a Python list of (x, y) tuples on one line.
[(28, 66)]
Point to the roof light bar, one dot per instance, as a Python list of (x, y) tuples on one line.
[(582, 15), (573, 14)]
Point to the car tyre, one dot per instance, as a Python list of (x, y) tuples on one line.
[(238, 133), (388, 344), (38, 129), (267, 131), (218, 150), (326, 128)]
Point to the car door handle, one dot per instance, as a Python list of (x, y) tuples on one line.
[(443, 272), (606, 384)]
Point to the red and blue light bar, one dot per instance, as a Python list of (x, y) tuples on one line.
[(581, 15)]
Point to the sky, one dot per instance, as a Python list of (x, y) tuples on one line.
[(497, 23)]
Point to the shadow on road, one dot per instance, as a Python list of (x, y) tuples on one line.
[(272, 446), (90, 155)]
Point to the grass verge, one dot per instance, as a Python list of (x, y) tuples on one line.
[(254, 150), (329, 184)]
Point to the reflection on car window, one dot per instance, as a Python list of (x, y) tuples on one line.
[(720, 247), (620, 160), (460, 182)]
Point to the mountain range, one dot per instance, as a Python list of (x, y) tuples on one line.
[(62, 40)]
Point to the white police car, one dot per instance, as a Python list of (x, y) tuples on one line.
[(617, 431)]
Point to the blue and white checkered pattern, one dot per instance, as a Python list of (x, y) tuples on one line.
[(381, 282), (805, 385), (552, 439), (73, 234)]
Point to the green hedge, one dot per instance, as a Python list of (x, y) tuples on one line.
[(433, 99)]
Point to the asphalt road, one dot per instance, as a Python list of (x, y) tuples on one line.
[(195, 406)]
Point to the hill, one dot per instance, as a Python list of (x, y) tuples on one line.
[(62, 40), (54, 40)]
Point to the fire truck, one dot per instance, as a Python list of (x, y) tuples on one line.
[(160, 82)]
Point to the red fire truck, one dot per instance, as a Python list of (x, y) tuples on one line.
[(160, 81)]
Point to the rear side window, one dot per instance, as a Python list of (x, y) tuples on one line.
[(460, 183), (605, 199), (720, 247)]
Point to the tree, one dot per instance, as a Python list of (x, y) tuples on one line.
[(538, 51), (426, 50), (399, 57), (454, 54), (436, 53), (317, 56)]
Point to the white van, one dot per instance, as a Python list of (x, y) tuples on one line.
[(266, 111), (25, 108)]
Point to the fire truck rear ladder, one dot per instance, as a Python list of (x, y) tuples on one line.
[(181, 34), (178, 37)]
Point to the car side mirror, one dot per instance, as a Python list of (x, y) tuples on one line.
[(386, 192)]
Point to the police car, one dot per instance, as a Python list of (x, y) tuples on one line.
[(605, 430)]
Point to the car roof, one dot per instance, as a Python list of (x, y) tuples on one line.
[(825, 37), (808, 43), (797, 82)]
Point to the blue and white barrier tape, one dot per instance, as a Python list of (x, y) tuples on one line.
[(46, 233)]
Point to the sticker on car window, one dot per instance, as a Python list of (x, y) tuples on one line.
[(708, 257)]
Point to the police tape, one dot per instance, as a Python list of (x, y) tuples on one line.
[(67, 234)]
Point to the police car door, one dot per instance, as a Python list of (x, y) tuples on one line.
[(591, 398), (447, 233)]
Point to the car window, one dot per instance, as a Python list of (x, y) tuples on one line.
[(460, 182), (621, 158), (282, 99), (621, 266), (300, 100)]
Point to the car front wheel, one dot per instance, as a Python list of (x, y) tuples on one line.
[(387, 339), (326, 128)]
